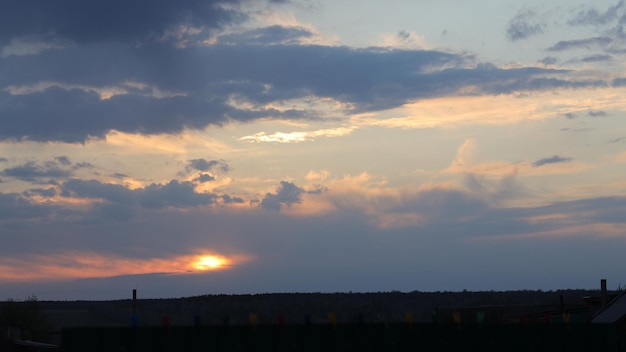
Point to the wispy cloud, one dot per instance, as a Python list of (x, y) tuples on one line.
[(555, 159), (297, 137), (587, 43), (523, 25)]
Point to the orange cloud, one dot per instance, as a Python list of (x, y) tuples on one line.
[(79, 265), (495, 110)]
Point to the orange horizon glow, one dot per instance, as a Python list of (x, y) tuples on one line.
[(210, 262), (81, 265)]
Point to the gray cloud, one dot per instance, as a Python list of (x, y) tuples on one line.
[(571, 115), (587, 43), (523, 25), (204, 178), (15, 207), (83, 165), (204, 165), (266, 36), (597, 58), (551, 160), (46, 193), (618, 82), (3, 160), (228, 199), (549, 60), (173, 194), (35, 172), (590, 16), (286, 194), (459, 224), (130, 21), (597, 113), (63, 160), (370, 79)]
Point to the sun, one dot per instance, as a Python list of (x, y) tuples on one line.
[(209, 262)]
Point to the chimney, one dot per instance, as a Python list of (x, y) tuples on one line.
[(134, 301), (603, 293)]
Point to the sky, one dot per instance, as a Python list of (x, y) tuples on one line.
[(197, 147)]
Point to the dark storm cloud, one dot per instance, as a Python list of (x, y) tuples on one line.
[(523, 25), (286, 194), (207, 80), (587, 43), (75, 115), (128, 21), (551, 160), (35, 172)]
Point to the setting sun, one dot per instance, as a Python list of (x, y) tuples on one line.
[(209, 262)]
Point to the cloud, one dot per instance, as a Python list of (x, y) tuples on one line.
[(174, 194), (204, 178), (551, 160), (35, 172), (271, 35), (133, 21), (403, 39), (245, 83), (597, 113), (297, 137), (397, 231), (549, 60), (286, 194), (590, 16), (63, 160), (619, 82), (523, 25), (587, 43), (74, 265), (597, 58), (15, 208), (204, 165), (45, 193)]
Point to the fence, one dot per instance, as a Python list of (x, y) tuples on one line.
[(352, 337)]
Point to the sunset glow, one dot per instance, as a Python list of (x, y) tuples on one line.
[(77, 265), (210, 262)]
